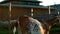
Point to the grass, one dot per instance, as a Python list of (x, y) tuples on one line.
[(4, 31), (55, 30)]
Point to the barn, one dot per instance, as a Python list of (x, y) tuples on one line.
[(24, 7)]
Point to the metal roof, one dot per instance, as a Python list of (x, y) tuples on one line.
[(32, 1), (57, 6), (27, 0), (6, 3), (28, 6)]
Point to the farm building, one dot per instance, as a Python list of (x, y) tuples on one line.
[(57, 6), (25, 7)]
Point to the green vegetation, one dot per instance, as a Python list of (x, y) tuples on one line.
[(55, 30), (4, 31)]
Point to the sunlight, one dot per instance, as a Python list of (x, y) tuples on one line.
[(49, 2), (1, 0)]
